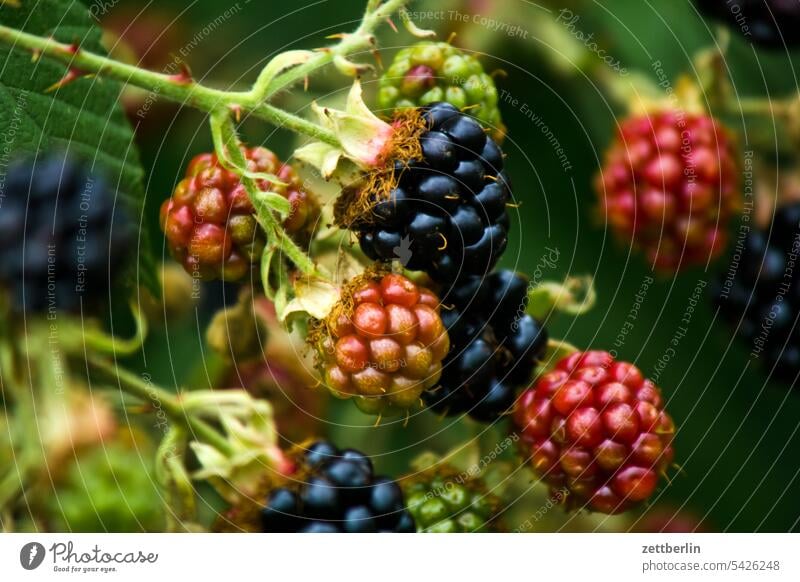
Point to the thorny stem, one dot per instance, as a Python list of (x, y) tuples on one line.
[(147, 391), (362, 38), (183, 89), (178, 88)]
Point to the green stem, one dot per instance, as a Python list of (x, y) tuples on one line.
[(228, 146), (359, 40), (147, 391), (175, 87)]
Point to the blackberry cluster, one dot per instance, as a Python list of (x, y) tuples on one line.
[(448, 503), (770, 23), (494, 347), (63, 239), (429, 72), (760, 293), (339, 494), (447, 214), (210, 222), (598, 428)]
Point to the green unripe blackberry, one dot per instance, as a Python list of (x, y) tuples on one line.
[(429, 72), (446, 501)]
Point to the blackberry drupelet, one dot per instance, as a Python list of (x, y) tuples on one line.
[(770, 23), (446, 214), (495, 346), (598, 428), (759, 293), (64, 241), (339, 494), (430, 72)]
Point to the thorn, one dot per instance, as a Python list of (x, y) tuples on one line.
[(377, 56), (237, 112), (72, 48), (36, 54), (408, 416), (394, 28), (338, 35), (444, 243), (499, 73), (453, 197), (451, 37), (377, 421), (513, 204), (493, 178), (184, 77), (71, 75)]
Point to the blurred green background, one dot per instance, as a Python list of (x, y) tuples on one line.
[(737, 437)]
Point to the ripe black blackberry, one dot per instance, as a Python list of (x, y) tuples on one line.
[(770, 23), (446, 214), (339, 493), (494, 346), (760, 293), (63, 240)]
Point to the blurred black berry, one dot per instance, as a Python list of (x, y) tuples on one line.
[(759, 293), (770, 23), (63, 238)]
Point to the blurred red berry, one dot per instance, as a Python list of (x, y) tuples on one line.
[(669, 186)]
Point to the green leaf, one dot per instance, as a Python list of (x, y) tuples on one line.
[(83, 117)]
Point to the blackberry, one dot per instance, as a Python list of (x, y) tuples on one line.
[(669, 185), (760, 293), (210, 222), (430, 72), (597, 428), (446, 213), (446, 501), (387, 348), (63, 239), (495, 346), (339, 493), (769, 23)]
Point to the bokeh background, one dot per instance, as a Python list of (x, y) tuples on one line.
[(737, 438)]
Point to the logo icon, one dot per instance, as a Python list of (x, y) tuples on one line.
[(403, 252), (31, 555)]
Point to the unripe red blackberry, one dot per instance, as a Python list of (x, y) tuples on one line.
[(335, 491), (770, 23), (210, 222), (384, 344), (429, 72), (598, 428), (64, 239), (669, 187)]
